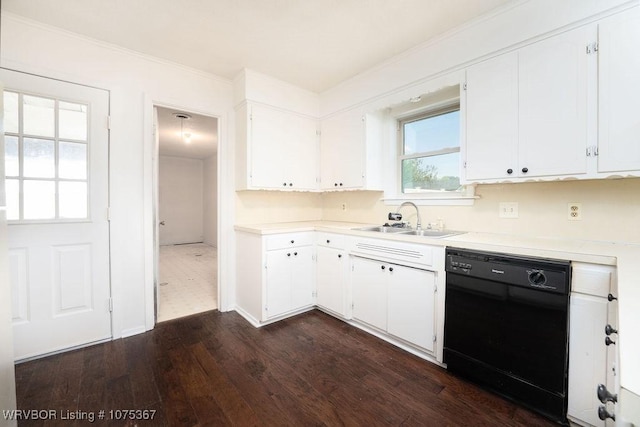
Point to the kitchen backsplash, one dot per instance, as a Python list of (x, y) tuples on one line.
[(610, 209)]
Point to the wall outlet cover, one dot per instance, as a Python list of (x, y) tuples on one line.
[(508, 210), (574, 211)]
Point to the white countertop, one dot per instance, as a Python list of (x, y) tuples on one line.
[(626, 257)]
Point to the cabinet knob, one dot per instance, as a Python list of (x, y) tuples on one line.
[(382, 267), (603, 414), (390, 268), (340, 184), (295, 254), (509, 171), (284, 184), (605, 395), (608, 341), (293, 241), (339, 255), (609, 330), (525, 170), (610, 297), (335, 184), (290, 184), (288, 254), (328, 241)]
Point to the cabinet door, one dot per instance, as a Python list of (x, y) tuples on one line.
[(279, 298), (411, 308), (587, 356), (302, 277), (491, 116), (342, 151), (331, 279), (283, 149), (619, 93), (553, 84), (369, 285)]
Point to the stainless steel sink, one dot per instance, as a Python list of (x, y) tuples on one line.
[(384, 229), (407, 232), (432, 233)]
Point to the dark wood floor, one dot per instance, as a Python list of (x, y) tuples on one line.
[(215, 369)]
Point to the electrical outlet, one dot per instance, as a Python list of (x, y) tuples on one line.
[(344, 206), (574, 212), (508, 210)]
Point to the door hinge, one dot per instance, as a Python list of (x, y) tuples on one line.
[(435, 288), (108, 122), (592, 48), (318, 132), (434, 338), (464, 165), (592, 151), (110, 305), (464, 86), (108, 213)]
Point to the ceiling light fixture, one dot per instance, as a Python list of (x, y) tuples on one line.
[(185, 136)]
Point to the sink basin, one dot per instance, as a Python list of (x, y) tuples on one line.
[(405, 232), (384, 229), (431, 233)]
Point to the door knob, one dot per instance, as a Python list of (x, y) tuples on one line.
[(605, 395), (161, 222), (603, 414)]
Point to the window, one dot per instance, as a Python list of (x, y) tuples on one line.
[(429, 158), (46, 149)]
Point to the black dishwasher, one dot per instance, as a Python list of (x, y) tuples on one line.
[(506, 326)]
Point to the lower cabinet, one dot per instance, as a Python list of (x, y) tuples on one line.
[(275, 275), (592, 362), (395, 299), (332, 280)]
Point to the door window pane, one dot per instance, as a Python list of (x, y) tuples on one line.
[(38, 116), (73, 199), (12, 187), (72, 160), (73, 121), (11, 156), (11, 120), (39, 199), (39, 158)]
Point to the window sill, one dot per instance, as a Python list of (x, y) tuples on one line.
[(457, 200)]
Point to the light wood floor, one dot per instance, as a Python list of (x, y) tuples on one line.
[(215, 369), (188, 280)]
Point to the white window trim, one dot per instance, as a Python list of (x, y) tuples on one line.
[(393, 195)]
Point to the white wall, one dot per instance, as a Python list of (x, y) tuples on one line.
[(135, 83), (180, 200), (210, 188)]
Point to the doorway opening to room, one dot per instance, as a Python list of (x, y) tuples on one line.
[(186, 191)]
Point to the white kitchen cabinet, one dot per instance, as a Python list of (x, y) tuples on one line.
[(591, 362), (411, 302), (332, 274), (526, 112), (350, 151), (275, 275), (492, 119), (369, 286), (395, 299), (277, 149), (619, 93)]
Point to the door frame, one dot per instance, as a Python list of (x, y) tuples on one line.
[(224, 198)]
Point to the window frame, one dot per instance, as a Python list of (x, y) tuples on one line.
[(56, 179), (450, 107)]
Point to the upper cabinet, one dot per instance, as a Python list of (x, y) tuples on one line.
[(619, 94), (566, 106), (350, 151), (526, 111), (276, 149)]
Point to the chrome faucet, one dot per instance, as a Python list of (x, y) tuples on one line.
[(419, 223)]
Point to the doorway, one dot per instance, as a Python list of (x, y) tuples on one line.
[(186, 213)]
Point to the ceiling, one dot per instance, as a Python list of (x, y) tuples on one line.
[(313, 44), (203, 132)]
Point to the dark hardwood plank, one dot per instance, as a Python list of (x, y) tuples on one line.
[(216, 369)]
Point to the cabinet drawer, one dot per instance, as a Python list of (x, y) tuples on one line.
[(592, 279), (289, 240), (330, 240)]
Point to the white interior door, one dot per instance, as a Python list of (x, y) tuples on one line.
[(56, 168)]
